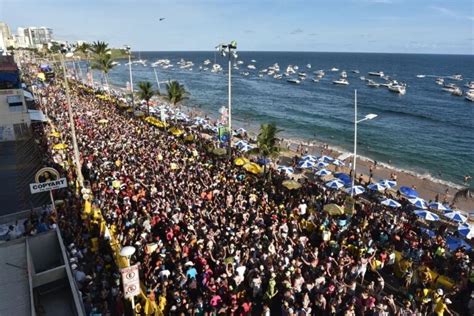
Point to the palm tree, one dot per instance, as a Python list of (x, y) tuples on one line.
[(104, 63), (267, 143), (85, 48), (145, 92), (175, 93), (100, 48)]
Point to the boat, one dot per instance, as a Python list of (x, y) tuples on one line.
[(315, 80), (251, 67), (470, 85), (240, 62), (253, 61), (440, 81), (260, 75), (334, 69), (277, 76), (372, 84), (449, 87), (308, 66), (296, 81), (236, 67), (341, 81), (362, 78), (319, 72), (377, 74), (457, 92), (470, 95), (265, 70), (343, 74), (207, 62), (355, 71), (290, 70), (456, 77), (275, 67), (420, 76), (396, 87), (245, 73), (296, 67), (216, 68), (301, 74)]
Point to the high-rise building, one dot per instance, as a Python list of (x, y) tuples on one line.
[(39, 36), (6, 38), (22, 38)]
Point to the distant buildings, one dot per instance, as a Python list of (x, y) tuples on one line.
[(26, 37)]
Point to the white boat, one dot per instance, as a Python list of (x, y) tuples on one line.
[(271, 72), (296, 81), (296, 67), (253, 61), (236, 67), (264, 70), (275, 67), (470, 95), (240, 62), (308, 66), (470, 85), (277, 76), (216, 68), (456, 77), (260, 75), (450, 87), (440, 81), (290, 69), (362, 78), (457, 92), (420, 76), (341, 81), (377, 74), (319, 72), (251, 67), (396, 87), (245, 73), (355, 71), (207, 62), (301, 74), (334, 69), (315, 80), (343, 74), (372, 84)]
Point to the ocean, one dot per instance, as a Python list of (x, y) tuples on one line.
[(427, 131)]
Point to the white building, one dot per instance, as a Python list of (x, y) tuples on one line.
[(6, 38)]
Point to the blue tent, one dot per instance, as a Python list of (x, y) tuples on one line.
[(344, 178), (455, 243), (407, 191)]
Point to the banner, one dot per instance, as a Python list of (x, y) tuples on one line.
[(48, 185), (131, 281)]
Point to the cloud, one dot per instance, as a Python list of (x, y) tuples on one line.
[(450, 13), (296, 31)]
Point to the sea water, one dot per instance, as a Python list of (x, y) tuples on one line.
[(426, 131)]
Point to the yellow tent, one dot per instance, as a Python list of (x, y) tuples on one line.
[(333, 209), (240, 161), (253, 168), (54, 134), (291, 184), (176, 131), (41, 76), (60, 146)]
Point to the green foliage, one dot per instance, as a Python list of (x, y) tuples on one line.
[(103, 63), (100, 48), (175, 92), (145, 90), (267, 141)]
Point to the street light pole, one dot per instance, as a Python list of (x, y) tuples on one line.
[(130, 71), (367, 117), (80, 178)]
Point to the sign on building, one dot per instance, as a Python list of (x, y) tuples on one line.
[(47, 179), (131, 281)]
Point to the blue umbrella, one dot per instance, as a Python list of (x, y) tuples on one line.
[(356, 190), (456, 216), (323, 172), (335, 184), (305, 164), (438, 206), (344, 177), (327, 159), (287, 170), (390, 203), (376, 187), (428, 232), (419, 203), (321, 164), (466, 231), (427, 215), (337, 162), (455, 243), (263, 161), (388, 183), (309, 157), (407, 191)]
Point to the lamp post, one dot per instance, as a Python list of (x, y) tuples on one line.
[(128, 252), (129, 52), (230, 51), (367, 117), (80, 178)]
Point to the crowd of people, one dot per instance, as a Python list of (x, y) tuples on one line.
[(212, 239)]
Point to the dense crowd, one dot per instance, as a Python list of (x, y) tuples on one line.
[(212, 239)]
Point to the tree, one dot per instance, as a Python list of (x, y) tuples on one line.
[(145, 92), (175, 93), (267, 143), (104, 63), (100, 48)]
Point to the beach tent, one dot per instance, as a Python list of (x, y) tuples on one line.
[(338, 162), (286, 169), (418, 202), (344, 178), (455, 243), (291, 184), (323, 172), (390, 203), (438, 206), (356, 190), (253, 168), (427, 215), (309, 157), (466, 230), (325, 159), (376, 187), (456, 216), (321, 164), (388, 183), (409, 192), (306, 164), (335, 184), (240, 161)]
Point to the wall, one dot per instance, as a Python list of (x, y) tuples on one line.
[(8, 118)]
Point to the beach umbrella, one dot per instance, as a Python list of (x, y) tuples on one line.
[(60, 146), (418, 202), (321, 164), (240, 161), (337, 162), (176, 131), (309, 157), (333, 209), (388, 183), (54, 134), (356, 190), (291, 184), (323, 172), (263, 161), (438, 206), (246, 147), (327, 159), (335, 184), (407, 191), (199, 121), (241, 131), (390, 203), (455, 243), (376, 187), (466, 231), (428, 232), (427, 215), (240, 143), (286, 169), (253, 168), (344, 178), (219, 151), (305, 164), (456, 216)]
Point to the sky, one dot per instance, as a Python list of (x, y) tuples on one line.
[(391, 26)]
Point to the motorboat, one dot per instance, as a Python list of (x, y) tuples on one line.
[(240, 62), (341, 81), (355, 71), (470, 85), (251, 67), (260, 75), (396, 87), (296, 81), (376, 73), (456, 77), (343, 74), (253, 61), (315, 80), (275, 67), (265, 70), (277, 76), (216, 68), (290, 69), (295, 67), (319, 72), (470, 95), (301, 74), (207, 62), (308, 66), (271, 72), (362, 78), (420, 76), (236, 67), (440, 81), (245, 73), (334, 69), (449, 87), (372, 84), (457, 92)]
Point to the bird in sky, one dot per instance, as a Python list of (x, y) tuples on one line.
[(161, 19)]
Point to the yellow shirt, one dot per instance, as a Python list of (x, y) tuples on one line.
[(440, 307)]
